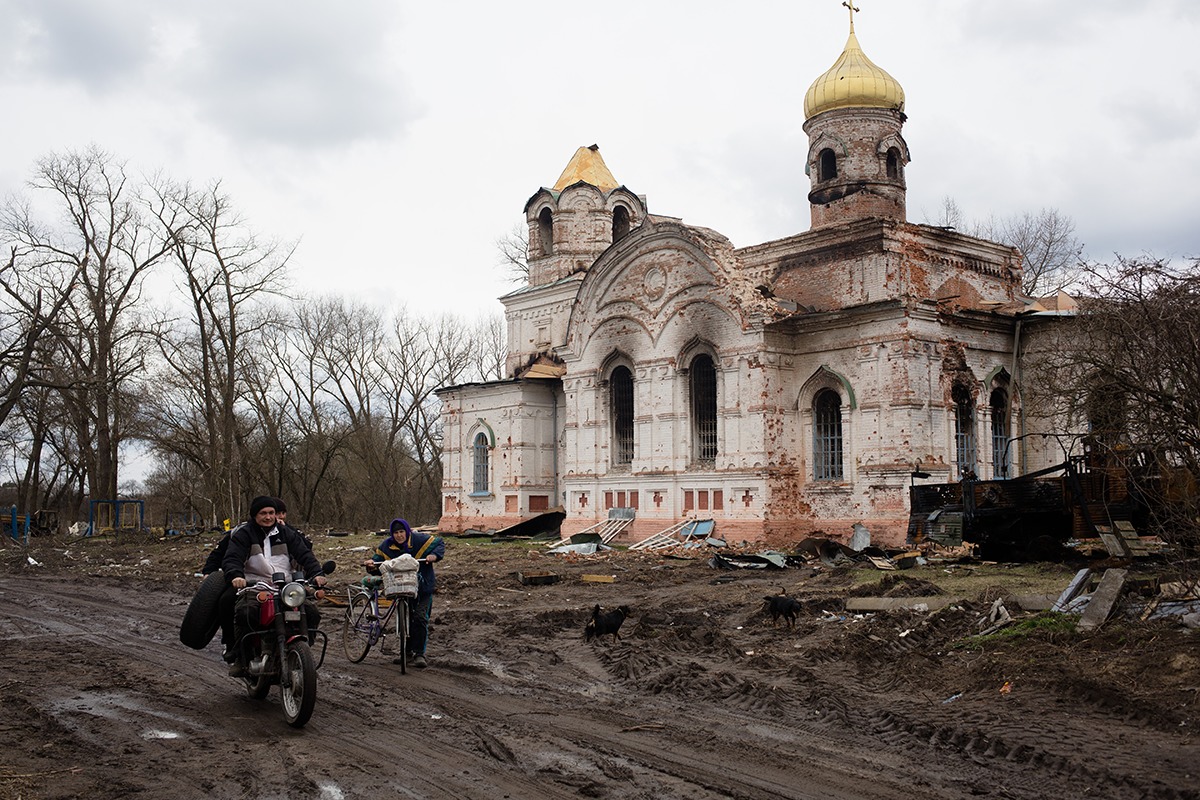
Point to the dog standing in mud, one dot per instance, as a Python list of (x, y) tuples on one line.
[(604, 623), (781, 606)]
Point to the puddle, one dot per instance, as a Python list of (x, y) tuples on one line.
[(90, 716)]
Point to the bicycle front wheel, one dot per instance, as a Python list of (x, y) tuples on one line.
[(358, 632), (401, 615)]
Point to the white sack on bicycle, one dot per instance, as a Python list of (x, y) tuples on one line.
[(401, 563), (399, 576)]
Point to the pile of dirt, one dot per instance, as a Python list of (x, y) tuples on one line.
[(897, 584)]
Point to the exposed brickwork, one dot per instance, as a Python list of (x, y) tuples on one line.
[(857, 143), (887, 315)]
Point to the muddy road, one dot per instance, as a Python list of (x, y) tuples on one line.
[(702, 698)]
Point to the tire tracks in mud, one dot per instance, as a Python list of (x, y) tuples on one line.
[(1087, 748), (1091, 742), (139, 679), (517, 705)]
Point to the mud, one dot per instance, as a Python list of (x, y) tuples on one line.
[(702, 698)]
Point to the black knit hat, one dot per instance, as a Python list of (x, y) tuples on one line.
[(261, 502), (280, 506)]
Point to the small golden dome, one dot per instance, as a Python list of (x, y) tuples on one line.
[(587, 166), (853, 82)]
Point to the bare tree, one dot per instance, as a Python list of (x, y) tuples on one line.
[(1051, 255), (26, 313), (489, 348), (513, 249), (101, 344), (225, 274), (1050, 252), (949, 215)]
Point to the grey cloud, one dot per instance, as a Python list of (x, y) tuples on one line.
[(301, 73), (94, 44), (304, 73)]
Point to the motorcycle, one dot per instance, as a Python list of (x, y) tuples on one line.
[(278, 649)]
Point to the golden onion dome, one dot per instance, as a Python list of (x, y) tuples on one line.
[(853, 82)]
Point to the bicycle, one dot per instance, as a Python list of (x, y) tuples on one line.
[(364, 626)]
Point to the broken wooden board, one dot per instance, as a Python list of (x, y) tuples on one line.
[(598, 578), (1103, 599), (892, 603), (1114, 545), (881, 563), (1129, 537)]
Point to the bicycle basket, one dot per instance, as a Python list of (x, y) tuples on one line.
[(399, 584)]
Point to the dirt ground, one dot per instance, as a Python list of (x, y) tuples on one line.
[(701, 698)]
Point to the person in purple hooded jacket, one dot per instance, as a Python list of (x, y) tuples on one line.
[(428, 550)]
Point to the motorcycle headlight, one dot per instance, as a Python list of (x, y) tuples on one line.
[(293, 595)]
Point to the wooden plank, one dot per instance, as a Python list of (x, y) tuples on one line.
[(1114, 545), (1129, 535), (614, 529), (663, 538), (598, 578), (1073, 588), (1112, 582)]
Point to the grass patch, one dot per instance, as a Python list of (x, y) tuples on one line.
[(1047, 625)]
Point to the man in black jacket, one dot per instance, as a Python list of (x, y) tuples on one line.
[(228, 598), (258, 550)]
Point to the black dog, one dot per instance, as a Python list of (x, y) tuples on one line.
[(604, 623), (780, 605)]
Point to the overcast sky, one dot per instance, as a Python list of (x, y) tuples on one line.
[(397, 140)]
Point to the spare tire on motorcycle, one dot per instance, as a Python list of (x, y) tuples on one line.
[(203, 617)]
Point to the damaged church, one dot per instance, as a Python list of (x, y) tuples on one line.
[(786, 389)]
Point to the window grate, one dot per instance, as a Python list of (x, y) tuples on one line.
[(621, 389), (480, 483), (1001, 458), (827, 436), (704, 408), (964, 430)]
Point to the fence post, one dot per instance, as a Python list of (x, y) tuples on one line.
[(13, 516)]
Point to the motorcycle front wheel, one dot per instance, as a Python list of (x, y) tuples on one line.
[(300, 697)]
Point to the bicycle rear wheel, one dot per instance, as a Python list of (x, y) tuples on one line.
[(358, 628), (401, 613)]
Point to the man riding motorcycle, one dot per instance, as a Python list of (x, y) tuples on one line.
[(257, 551)]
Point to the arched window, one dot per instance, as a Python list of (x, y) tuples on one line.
[(893, 164), (480, 483), (546, 231), (964, 430), (1001, 457), (827, 164), (827, 436), (704, 409), (620, 226), (621, 404)]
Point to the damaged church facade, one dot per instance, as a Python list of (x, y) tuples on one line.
[(784, 389)]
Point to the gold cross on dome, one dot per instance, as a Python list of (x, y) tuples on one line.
[(852, 8)]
